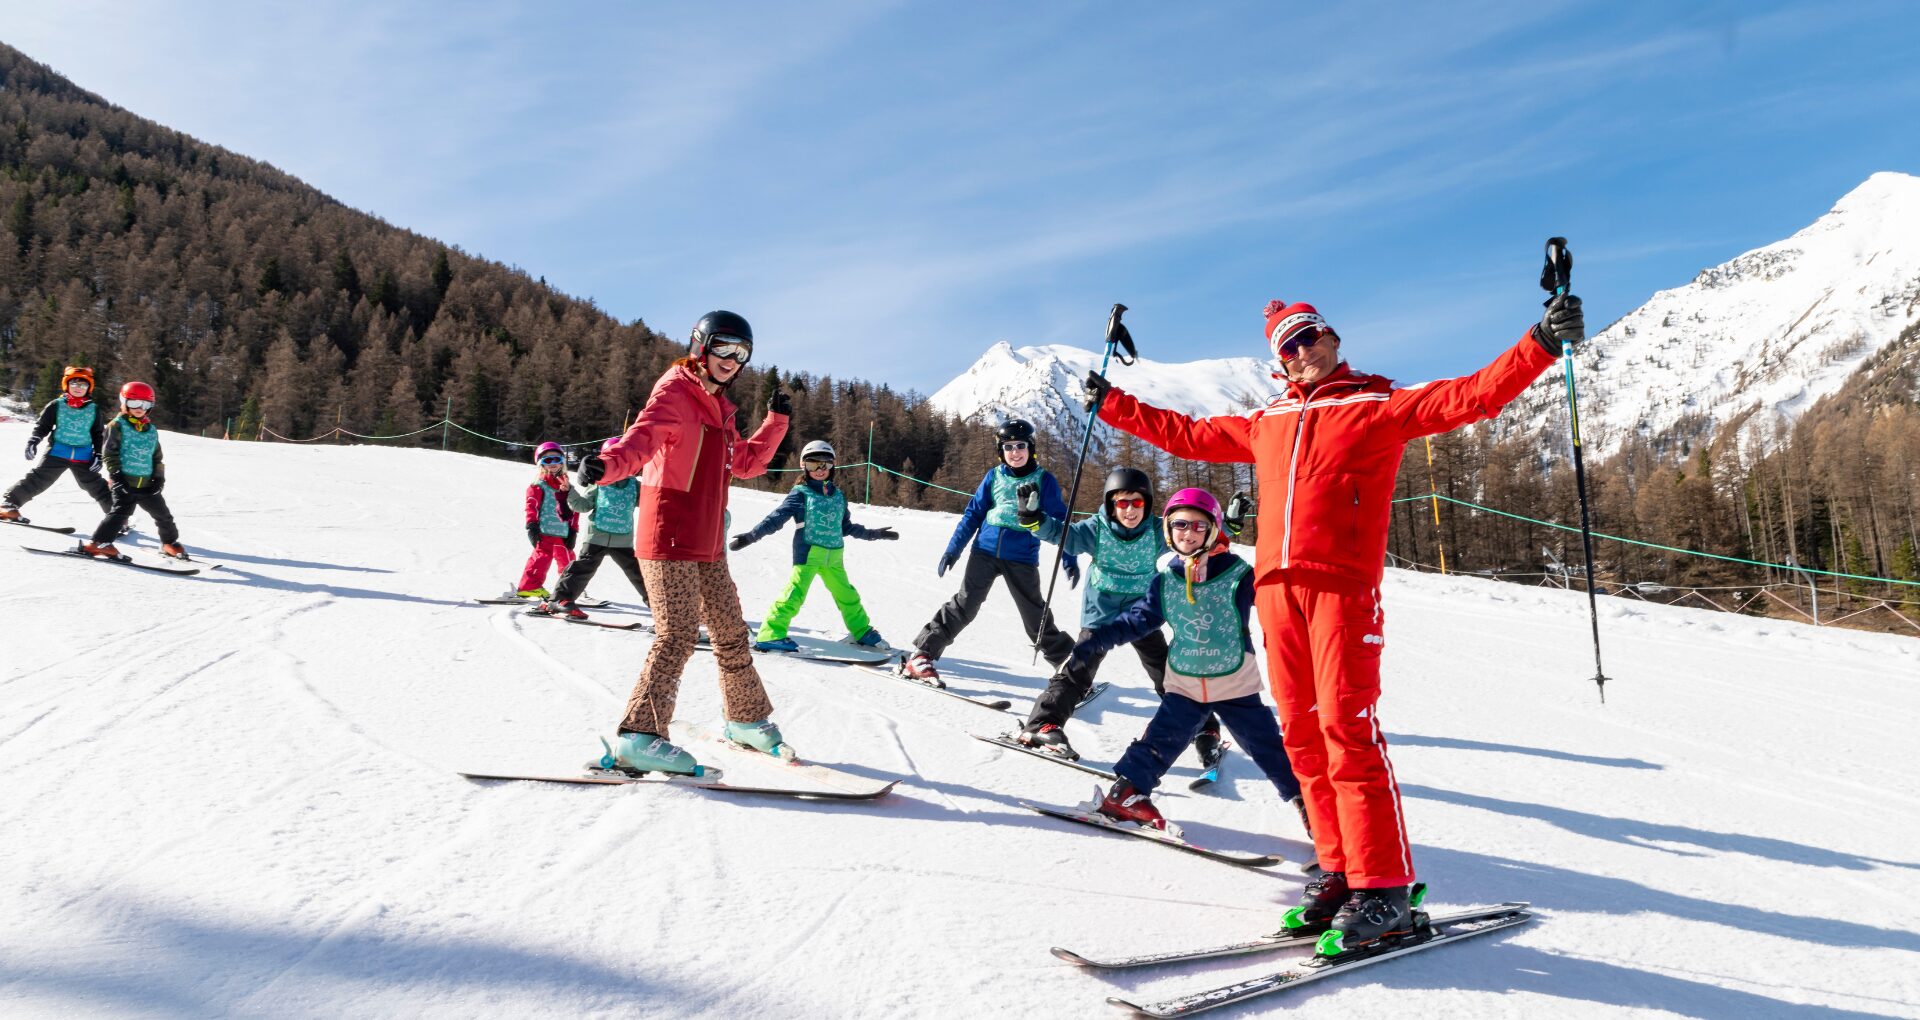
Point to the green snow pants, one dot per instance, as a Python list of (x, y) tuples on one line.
[(830, 566)]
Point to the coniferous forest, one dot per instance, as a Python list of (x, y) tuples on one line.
[(259, 308)]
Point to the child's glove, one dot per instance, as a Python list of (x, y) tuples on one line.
[(947, 561), (1238, 508), (33, 448), (884, 535), (1072, 565), (739, 542), (1026, 505), (533, 534), (96, 464), (592, 469)]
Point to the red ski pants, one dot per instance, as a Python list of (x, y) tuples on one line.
[(1323, 660), (551, 552)]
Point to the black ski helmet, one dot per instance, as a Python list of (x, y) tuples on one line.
[(715, 326), (1014, 430), (1126, 479)]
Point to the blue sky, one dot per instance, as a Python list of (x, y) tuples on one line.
[(885, 189)]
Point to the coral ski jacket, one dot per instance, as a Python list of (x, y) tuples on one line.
[(685, 448), (1325, 458)]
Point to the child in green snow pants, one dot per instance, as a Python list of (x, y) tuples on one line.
[(830, 566)]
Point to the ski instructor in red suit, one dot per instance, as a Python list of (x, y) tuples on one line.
[(1325, 453)]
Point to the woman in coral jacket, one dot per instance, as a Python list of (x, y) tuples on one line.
[(1325, 453), (686, 449)]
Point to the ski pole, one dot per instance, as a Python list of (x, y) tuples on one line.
[(1117, 336), (1556, 278)]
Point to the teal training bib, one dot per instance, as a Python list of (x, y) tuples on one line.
[(1125, 566), (613, 506), (136, 449), (1006, 502), (824, 517), (550, 522), (1208, 635), (73, 426)]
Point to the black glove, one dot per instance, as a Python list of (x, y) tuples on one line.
[(1072, 566), (1026, 504), (1097, 387), (96, 464), (592, 469), (33, 448), (1239, 508), (1563, 324), (573, 532), (739, 542), (533, 533), (883, 535), (946, 563), (154, 485), (781, 403)]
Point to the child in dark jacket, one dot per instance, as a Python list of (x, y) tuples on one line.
[(73, 421), (551, 523), (1205, 595), (134, 465), (819, 544)]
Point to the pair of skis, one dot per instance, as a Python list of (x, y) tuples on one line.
[(122, 560), (1436, 931), (835, 784)]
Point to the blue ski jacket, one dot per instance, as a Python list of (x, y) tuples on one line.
[(794, 508), (1008, 543)]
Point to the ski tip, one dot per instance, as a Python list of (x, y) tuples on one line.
[(1071, 957), (998, 705), (1133, 1008)]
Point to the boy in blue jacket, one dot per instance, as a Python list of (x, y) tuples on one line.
[(1001, 549), (73, 421), (819, 549)]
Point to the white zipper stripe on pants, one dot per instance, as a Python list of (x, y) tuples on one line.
[(1393, 784)]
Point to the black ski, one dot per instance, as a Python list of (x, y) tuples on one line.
[(996, 704), (632, 625), (123, 561), (1302, 938), (1092, 692), (24, 523), (1172, 839), (1437, 933), (1014, 745), (508, 600), (710, 781)]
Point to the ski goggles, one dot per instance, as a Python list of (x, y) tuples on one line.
[(1184, 524), (728, 349), (139, 405), (553, 458), (1016, 445), (816, 464), (1304, 338), (1136, 503)]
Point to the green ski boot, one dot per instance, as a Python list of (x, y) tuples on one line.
[(761, 736), (644, 752)]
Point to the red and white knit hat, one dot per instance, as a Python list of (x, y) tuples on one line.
[(1284, 321)]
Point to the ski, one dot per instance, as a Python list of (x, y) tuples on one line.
[(1099, 821), (124, 561), (850, 785), (24, 523), (1092, 692), (1265, 944), (1211, 773), (507, 600), (632, 625), (1437, 933), (834, 652), (710, 781), (996, 704), (1014, 745)]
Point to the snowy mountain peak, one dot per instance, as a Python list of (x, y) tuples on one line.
[(1766, 333), (1043, 384)]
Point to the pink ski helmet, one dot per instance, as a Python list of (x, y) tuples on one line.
[(607, 444), (546, 448), (1192, 499)]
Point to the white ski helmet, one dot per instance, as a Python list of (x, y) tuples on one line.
[(817, 450)]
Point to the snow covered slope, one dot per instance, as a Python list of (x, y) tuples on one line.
[(1771, 331), (1043, 385), (234, 794)]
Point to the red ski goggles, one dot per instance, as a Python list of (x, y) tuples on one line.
[(1135, 503)]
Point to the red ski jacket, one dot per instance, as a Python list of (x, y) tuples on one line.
[(685, 448), (1325, 458)]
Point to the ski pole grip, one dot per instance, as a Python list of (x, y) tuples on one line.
[(1557, 276), (1117, 334)]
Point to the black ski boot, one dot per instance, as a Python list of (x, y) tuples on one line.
[(1320, 902), (1049, 739), (1207, 744), (1373, 915)]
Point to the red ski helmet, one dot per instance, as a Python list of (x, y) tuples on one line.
[(1193, 499), (136, 391)]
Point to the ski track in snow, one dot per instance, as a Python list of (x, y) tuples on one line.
[(282, 832)]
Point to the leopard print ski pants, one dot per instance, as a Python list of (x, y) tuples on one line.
[(686, 594)]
